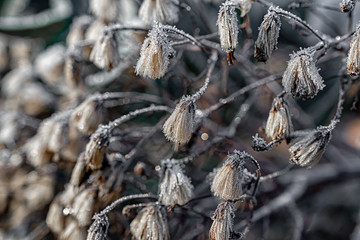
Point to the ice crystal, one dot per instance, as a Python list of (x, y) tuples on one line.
[(163, 11), (222, 225)]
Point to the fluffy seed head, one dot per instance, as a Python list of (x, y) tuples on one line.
[(150, 223), (227, 183), (301, 77), (154, 54), (278, 124), (98, 229), (163, 11), (222, 225), (228, 26), (175, 187), (179, 126), (353, 60), (268, 36), (347, 5)]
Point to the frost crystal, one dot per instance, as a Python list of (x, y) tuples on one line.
[(268, 36), (150, 223), (222, 225), (107, 10), (278, 124), (347, 5), (164, 11), (301, 77), (353, 61), (179, 126), (175, 187), (227, 183), (306, 150), (154, 54)]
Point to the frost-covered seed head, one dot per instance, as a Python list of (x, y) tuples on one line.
[(228, 26), (222, 225), (163, 11), (278, 124), (227, 183), (155, 53), (98, 229), (353, 60), (268, 36), (72, 71), (150, 223), (55, 218), (244, 5), (301, 77), (83, 207), (78, 29), (58, 137), (105, 53), (307, 150), (347, 5), (180, 125), (175, 187), (95, 30), (107, 10)]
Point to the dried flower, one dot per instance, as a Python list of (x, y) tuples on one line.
[(72, 71), (244, 5), (154, 54), (99, 228), (228, 28), (307, 149), (347, 5), (163, 11), (180, 125), (107, 10), (175, 187), (73, 232), (301, 77), (78, 29), (58, 137), (227, 183), (222, 225), (55, 219), (150, 223), (78, 171), (353, 61), (278, 124), (268, 36), (83, 206)]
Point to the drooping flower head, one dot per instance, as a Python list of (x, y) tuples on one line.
[(99, 228), (107, 10), (163, 11), (222, 225), (353, 60)]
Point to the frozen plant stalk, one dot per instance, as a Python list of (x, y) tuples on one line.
[(353, 61), (228, 29), (164, 11), (268, 36), (155, 53), (222, 225), (175, 187), (301, 77), (179, 126)]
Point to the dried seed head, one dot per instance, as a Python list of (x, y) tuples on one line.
[(78, 171), (244, 5), (99, 228), (307, 149), (55, 219), (268, 36), (95, 30), (228, 26), (180, 125), (58, 137), (353, 61), (164, 11), (83, 207), (107, 10), (154, 54), (72, 71), (227, 183), (78, 29), (175, 187), (301, 77), (73, 232), (347, 5), (88, 115), (97, 146), (222, 225), (150, 223), (278, 124), (105, 53)]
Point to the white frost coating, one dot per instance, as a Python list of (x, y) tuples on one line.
[(163, 11), (301, 77), (228, 26), (222, 225), (353, 60), (107, 10)]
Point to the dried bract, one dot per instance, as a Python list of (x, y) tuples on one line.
[(347, 5), (99, 228), (353, 60), (164, 11), (107, 10), (222, 225), (227, 183), (154, 54), (180, 125), (301, 77), (175, 187), (278, 124), (150, 223), (268, 36)]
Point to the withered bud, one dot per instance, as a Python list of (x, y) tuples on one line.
[(163, 11), (107, 10), (99, 228), (268, 36), (227, 183), (155, 53), (278, 124), (175, 187), (222, 225), (347, 5), (180, 125), (83, 206), (150, 223), (307, 149), (301, 77), (353, 60)]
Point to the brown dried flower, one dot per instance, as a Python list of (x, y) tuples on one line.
[(163, 11), (222, 225), (347, 5), (353, 60)]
